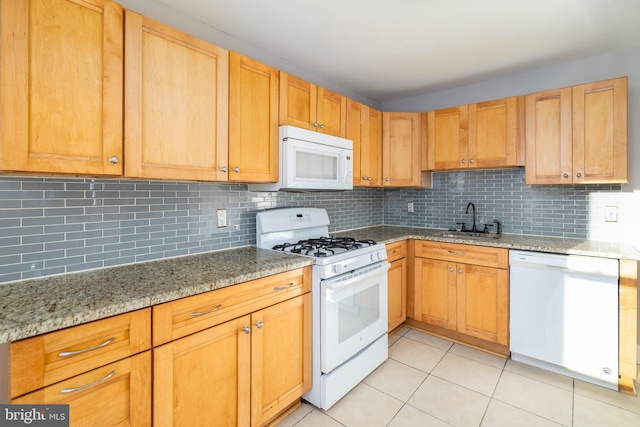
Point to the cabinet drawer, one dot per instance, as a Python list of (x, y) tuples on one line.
[(182, 317), (468, 254), (46, 359), (396, 250), (118, 394)]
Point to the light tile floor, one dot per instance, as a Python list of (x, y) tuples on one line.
[(429, 381)]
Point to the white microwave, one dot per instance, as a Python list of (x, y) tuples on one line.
[(311, 161)]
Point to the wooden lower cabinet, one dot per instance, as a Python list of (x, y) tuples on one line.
[(240, 373), (397, 285), (464, 292), (118, 394)]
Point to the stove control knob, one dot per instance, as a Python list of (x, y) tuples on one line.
[(382, 254), (375, 257), (338, 268)]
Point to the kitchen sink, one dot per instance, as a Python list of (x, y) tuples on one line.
[(467, 235)]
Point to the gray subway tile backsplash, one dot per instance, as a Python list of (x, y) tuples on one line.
[(61, 225)]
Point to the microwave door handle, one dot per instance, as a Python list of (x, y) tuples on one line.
[(345, 170)]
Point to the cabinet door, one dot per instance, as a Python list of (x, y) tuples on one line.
[(548, 137), (600, 132), (204, 379), (176, 103), (372, 150), (448, 138), (298, 102), (493, 134), (280, 357), (253, 120), (364, 128), (397, 298), (118, 394), (483, 302), (435, 292), (331, 112), (357, 131), (401, 149), (61, 86)]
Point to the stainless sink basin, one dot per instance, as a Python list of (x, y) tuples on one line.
[(467, 235)]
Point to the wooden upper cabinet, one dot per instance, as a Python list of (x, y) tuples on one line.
[(61, 86), (401, 149), (577, 135), (448, 138), (253, 120), (600, 132), (364, 128), (494, 133), (311, 107), (481, 135), (176, 103)]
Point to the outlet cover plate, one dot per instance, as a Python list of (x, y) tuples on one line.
[(221, 217)]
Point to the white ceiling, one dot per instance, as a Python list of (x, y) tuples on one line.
[(391, 49)]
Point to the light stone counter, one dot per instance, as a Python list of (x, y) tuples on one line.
[(390, 234), (36, 306)]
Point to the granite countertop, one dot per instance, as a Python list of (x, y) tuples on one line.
[(36, 306), (390, 234)]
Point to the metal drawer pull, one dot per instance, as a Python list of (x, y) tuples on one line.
[(282, 288), (84, 350), (457, 252), (202, 313), (71, 390), (392, 252)]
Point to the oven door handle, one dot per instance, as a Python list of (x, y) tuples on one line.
[(339, 283)]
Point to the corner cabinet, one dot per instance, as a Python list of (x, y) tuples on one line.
[(401, 166), (482, 135), (577, 135), (253, 120), (364, 128), (61, 93), (238, 356), (397, 284), (176, 103), (462, 291), (311, 107)]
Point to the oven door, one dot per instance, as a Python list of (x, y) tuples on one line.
[(353, 313)]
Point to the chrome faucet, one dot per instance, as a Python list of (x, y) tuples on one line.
[(474, 228)]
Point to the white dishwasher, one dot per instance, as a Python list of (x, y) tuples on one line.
[(564, 314)]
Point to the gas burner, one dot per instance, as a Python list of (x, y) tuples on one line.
[(324, 246)]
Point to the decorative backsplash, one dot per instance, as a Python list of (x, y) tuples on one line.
[(559, 211), (60, 225)]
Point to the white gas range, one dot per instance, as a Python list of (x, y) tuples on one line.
[(349, 292)]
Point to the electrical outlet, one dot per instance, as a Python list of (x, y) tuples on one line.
[(410, 207), (611, 214), (222, 218)]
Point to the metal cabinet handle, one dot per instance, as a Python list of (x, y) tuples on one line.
[(236, 169), (259, 324), (282, 288), (314, 124), (202, 313), (566, 175), (472, 161), (74, 389), (451, 269), (223, 169), (84, 350), (579, 175), (114, 160), (392, 252), (460, 271), (322, 126), (457, 252), (246, 329), (463, 161), (386, 179)]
